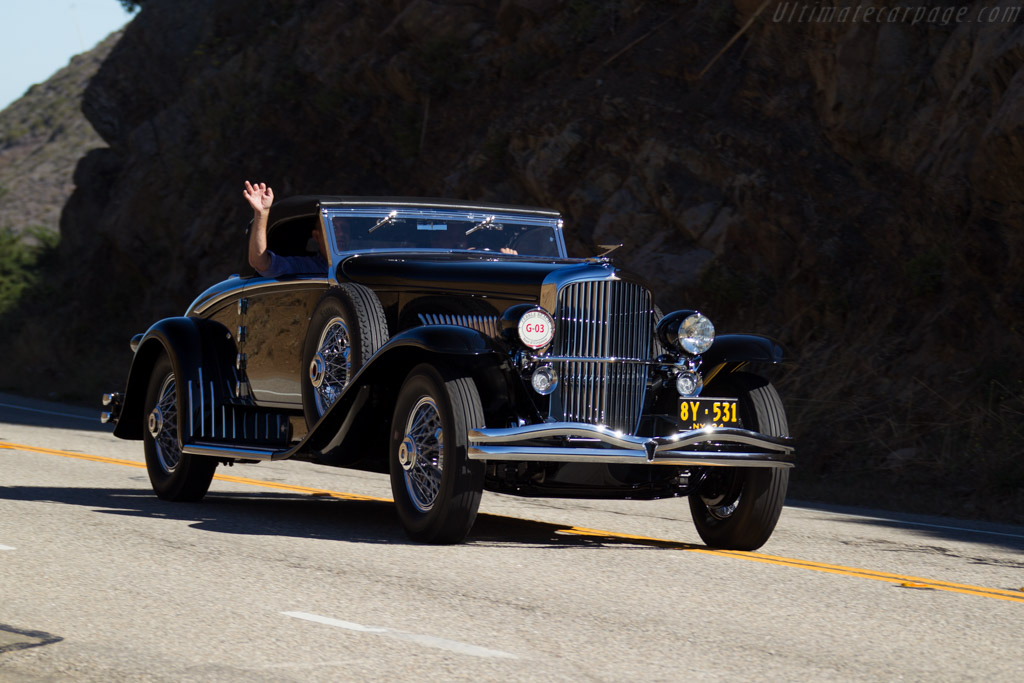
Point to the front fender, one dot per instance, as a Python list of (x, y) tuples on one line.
[(376, 384), (742, 348), (445, 339), (192, 344)]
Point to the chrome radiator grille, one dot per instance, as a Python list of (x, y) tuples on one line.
[(602, 319)]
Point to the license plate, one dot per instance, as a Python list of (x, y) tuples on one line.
[(698, 413)]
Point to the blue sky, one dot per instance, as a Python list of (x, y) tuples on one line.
[(38, 37)]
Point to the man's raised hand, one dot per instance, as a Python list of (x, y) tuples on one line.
[(259, 196)]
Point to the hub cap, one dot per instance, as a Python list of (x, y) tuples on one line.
[(331, 366), (163, 426), (721, 494), (421, 454), (317, 370)]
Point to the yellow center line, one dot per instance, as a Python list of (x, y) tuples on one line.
[(897, 579)]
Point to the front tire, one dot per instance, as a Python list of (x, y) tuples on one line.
[(436, 487), (738, 508), (174, 475)]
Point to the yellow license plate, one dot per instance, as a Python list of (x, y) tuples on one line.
[(698, 413)]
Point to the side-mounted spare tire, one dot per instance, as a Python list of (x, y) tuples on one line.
[(347, 327), (737, 508)]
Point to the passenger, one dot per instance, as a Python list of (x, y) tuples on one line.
[(266, 262)]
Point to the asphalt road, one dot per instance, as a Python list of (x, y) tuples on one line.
[(293, 572)]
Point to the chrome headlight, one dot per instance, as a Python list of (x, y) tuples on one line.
[(696, 334), (687, 331)]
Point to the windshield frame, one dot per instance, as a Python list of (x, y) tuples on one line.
[(382, 214)]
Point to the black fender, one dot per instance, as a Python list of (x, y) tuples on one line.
[(369, 396), (736, 350), (198, 348)]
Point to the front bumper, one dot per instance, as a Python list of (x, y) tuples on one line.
[(580, 442)]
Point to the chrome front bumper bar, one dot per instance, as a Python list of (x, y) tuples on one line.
[(580, 442)]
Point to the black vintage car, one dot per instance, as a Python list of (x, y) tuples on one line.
[(457, 347)]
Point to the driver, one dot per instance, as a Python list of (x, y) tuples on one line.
[(266, 262)]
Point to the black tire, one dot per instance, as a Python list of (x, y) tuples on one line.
[(738, 508), (175, 476), (437, 499), (351, 316)]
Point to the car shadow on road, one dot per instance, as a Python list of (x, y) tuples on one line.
[(319, 517)]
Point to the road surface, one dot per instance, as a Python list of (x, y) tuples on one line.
[(294, 572)]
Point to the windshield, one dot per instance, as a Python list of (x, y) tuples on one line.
[(369, 228)]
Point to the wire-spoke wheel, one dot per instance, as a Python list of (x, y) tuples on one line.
[(174, 475), (331, 365), (437, 488), (162, 424), (347, 327), (738, 508)]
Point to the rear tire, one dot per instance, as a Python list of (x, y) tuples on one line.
[(738, 508), (174, 475), (437, 488)]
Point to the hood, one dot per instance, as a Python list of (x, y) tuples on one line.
[(461, 273)]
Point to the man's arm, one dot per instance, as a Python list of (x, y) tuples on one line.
[(260, 197)]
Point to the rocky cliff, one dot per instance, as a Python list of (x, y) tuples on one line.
[(43, 134), (851, 188)]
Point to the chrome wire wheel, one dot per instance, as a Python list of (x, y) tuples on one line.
[(421, 454), (331, 365), (163, 426)]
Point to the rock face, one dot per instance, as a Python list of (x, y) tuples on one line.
[(853, 189), (42, 136)]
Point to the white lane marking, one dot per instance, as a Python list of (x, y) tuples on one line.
[(50, 412), (907, 522), (429, 641), (6, 547)]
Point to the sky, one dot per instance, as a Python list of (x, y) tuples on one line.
[(39, 37)]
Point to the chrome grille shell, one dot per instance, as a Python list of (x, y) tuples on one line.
[(611, 321)]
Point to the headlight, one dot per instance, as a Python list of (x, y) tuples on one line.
[(536, 328), (696, 334), (687, 331)]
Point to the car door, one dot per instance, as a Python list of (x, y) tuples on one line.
[(275, 318)]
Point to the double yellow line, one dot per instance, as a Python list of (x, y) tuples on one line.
[(910, 582), (897, 579)]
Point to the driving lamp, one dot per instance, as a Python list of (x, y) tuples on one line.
[(689, 384), (544, 380)]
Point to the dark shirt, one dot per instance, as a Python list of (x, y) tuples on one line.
[(288, 265)]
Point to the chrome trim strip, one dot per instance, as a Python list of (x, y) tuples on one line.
[(415, 204), (202, 404), (512, 435), (213, 414), (253, 284)]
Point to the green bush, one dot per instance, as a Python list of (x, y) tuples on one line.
[(21, 256)]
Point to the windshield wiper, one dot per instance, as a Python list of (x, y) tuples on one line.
[(485, 223), (390, 218)]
